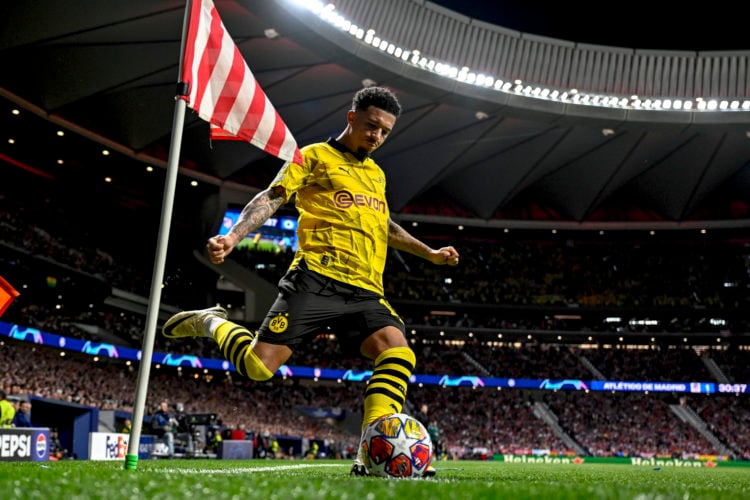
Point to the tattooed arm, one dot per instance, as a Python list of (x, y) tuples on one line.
[(255, 213), (400, 239)]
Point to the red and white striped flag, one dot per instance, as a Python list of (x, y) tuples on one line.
[(219, 134), (223, 90)]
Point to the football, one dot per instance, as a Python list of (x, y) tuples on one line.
[(396, 446)]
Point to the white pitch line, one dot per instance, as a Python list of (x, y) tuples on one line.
[(245, 470)]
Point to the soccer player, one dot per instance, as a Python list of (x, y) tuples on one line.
[(336, 277)]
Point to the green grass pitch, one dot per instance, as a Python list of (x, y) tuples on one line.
[(329, 479)]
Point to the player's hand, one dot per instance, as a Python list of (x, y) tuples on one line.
[(445, 255), (218, 247)]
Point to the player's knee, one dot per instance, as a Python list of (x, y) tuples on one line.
[(383, 340)]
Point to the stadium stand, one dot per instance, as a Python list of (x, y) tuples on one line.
[(523, 304), (520, 276)]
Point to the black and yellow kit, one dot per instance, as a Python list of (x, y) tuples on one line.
[(335, 280), (343, 222)]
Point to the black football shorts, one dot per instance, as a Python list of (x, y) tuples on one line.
[(310, 304)]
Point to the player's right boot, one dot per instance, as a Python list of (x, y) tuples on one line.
[(192, 323)]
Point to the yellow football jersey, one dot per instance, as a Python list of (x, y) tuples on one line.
[(343, 222)]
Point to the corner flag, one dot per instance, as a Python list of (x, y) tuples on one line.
[(223, 90)]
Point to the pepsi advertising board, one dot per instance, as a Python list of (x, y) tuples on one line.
[(27, 444)]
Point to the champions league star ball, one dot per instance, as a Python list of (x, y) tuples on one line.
[(396, 446)]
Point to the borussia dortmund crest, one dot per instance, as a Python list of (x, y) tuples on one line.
[(280, 323)]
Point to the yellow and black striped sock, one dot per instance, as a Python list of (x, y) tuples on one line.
[(386, 390), (236, 342)]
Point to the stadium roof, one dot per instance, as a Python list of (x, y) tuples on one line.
[(459, 149)]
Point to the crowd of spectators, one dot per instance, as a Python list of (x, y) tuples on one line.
[(544, 271), (111, 385), (726, 415), (627, 424), (39, 240), (475, 421)]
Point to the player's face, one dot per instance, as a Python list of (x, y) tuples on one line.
[(369, 128)]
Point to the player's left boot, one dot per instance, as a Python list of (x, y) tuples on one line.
[(192, 323), (429, 471), (358, 467)]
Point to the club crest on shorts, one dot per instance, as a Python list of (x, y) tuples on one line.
[(280, 323)]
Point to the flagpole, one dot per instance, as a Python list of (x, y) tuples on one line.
[(152, 314)]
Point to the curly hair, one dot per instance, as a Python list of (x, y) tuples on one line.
[(380, 97)]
